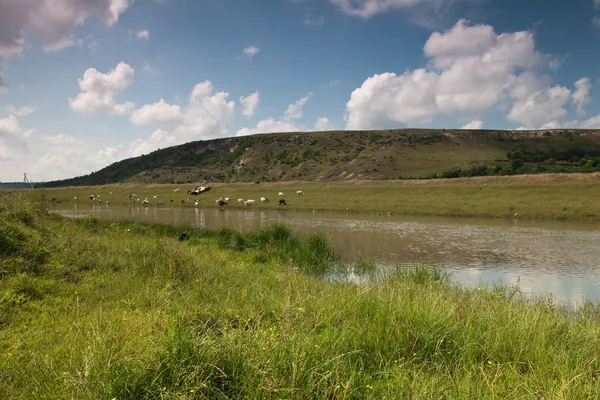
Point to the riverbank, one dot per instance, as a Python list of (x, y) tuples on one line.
[(98, 309), (552, 196)]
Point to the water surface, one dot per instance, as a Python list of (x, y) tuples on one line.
[(541, 257)]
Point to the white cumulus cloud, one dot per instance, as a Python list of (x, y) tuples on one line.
[(159, 114), (159, 139), (475, 124), (581, 95), (269, 125), (249, 103), (295, 111), (285, 124), (98, 91), (471, 69), (541, 107), (50, 20), (207, 115), (323, 124), (68, 157), (386, 99), (12, 138)]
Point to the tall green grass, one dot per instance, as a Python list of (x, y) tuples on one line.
[(129, 311)]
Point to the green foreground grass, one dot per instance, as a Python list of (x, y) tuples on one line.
[(558, 196), (94, 309)]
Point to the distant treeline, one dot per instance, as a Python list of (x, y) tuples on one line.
[(575, 160), (16, 185)]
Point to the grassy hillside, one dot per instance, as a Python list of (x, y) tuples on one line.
[(351, 155)]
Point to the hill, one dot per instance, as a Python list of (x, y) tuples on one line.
[(345, 155)]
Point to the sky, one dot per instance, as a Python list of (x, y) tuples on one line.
[(85, 83)]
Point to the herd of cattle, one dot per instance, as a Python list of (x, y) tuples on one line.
[(221, 201)]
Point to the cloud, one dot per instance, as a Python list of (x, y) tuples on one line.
[(591, 123), (159, 114), (581, 95), (387, 99), (269, 125), (368, 8), (475, 124), (541, 107), (207, 115), (295, 111), (249, 103), (471, 69), (12, 138), (250, 52), (20, 112), (597, 4), (98, 91), (323, 124), (3, 88), (159, 139), (68, 156), (314, 21), (285, 124), (143, 34), (596, 21), (149, 69), (51, 20), (460, 41), (201, 90)]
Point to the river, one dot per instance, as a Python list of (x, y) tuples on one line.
[(541, 257)]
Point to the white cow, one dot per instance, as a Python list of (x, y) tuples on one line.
[(249, 202), (281, 194), (240, 200), (227, 199), (176, 190), (264, 200), (299, 192)]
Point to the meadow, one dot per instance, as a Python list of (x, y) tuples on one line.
[(552, 196), (94, 309)]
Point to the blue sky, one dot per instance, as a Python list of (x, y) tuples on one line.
[(85, 83)]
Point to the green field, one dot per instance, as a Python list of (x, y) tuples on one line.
[(551, 196), (95, 309)]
